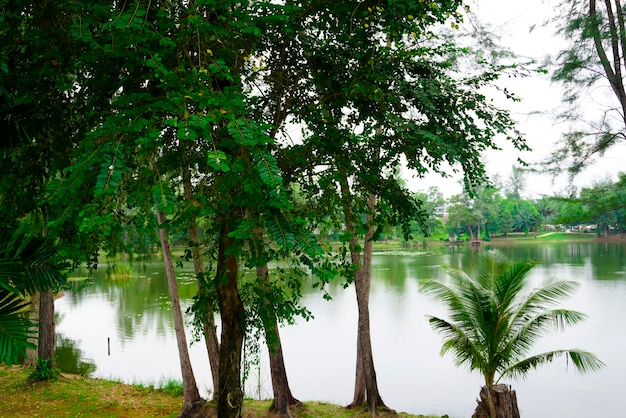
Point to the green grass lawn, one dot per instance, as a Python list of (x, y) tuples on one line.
[(551, 236), (539, 237), (76, 396)]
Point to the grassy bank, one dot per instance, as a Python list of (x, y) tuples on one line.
[(540, 237), (72, 396)]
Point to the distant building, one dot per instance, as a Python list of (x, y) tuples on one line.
[(441, 210)]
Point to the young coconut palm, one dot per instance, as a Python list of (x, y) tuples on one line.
[(494, 324)]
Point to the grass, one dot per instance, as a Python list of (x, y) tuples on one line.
[(73, 396), (546, 236), (172, 387), (120, 271), (540, 237)]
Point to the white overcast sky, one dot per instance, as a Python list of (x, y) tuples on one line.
[(511, 19)]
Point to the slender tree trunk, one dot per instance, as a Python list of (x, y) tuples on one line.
[(46, 342), (283, 398), (366, 385), (208, 323), (192, 399), (33, 315), (360, 389), (230, 396), (47, 331), (362, 286)]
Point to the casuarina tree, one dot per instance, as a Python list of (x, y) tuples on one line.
[(592, 68)]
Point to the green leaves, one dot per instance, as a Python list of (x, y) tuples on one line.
[(589, 61), (218, 160), (248, 133), (26, 267), (493, 326), (583, 361), (111, 169), (163, 197), (280, 232), (15, 330)]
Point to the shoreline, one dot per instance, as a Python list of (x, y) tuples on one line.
[(77, 395)]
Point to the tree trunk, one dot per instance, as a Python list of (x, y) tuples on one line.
[(33, 315), (366, 385), (230, 396), (192, 400), (208, 323), (498, 402), (283, 398), (46, 342)]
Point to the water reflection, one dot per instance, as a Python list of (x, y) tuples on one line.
[(141, 302), (320, 354), (71, 359)]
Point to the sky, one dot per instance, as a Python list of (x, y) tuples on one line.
[(540, 98)]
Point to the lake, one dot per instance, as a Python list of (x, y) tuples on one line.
[(123, 329)]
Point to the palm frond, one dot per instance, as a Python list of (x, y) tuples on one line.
[(493, 326), (509, 283), (541, 299), (522, 338), (488, 267), (9, 269), (552, 292), (27, 265), (15, 330), (460, 345), (583, 361)]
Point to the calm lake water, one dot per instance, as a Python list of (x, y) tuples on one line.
[(135, 316)]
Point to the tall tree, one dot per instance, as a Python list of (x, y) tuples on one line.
[(475, 213), (516, 183), (460, 219), (526, 218), (369, 92), (175, 72), (192, 401), (41, 120), (602, 204), (206, 307), (547, 207), (146, 66), (592, 66)]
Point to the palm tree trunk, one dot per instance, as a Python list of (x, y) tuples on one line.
[(192, 399), (497, 401)]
